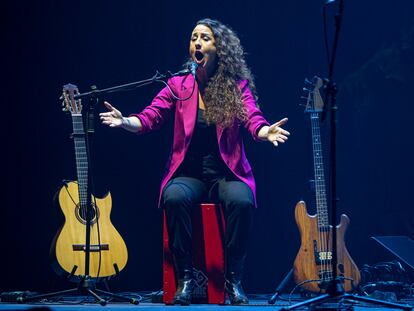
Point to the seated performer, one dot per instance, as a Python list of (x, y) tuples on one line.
[(207, 161)]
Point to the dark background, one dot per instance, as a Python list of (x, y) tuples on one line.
[(46, 44)]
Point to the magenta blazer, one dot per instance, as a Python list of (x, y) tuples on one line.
[(229, 139)]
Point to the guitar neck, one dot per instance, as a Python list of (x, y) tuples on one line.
[(81, 157), (320, 189)]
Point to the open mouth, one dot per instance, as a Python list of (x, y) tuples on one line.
[(199, 56)]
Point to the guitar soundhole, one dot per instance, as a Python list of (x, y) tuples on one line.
[(82, 217)]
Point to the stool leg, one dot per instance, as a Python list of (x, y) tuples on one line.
[(213, 230)]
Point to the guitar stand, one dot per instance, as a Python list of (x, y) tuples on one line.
[(85, 287)]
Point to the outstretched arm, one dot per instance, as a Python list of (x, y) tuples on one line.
[(257, 125), (114, 118), (274, 133)]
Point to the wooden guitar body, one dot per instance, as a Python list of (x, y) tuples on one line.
[(108, 253), (313, 261)]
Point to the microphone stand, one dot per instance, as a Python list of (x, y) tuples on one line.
[(130, 86), (86, 284), (334, 289)]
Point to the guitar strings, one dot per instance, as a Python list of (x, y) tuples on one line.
[(97, 224), (323, 236), (80, 145), (319, 246)]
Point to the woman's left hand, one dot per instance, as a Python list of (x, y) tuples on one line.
[(276, 134)]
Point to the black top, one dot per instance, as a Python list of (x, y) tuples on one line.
[(203, 158)]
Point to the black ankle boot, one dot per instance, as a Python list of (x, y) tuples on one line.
[(235, 290), (185, 288), (234, 275)]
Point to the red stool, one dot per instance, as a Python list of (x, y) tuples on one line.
[(208, 257)]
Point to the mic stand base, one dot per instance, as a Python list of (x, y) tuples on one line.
[(85, 287), (337, 293)]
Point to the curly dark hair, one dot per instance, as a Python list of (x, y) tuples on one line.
[(222, 94)]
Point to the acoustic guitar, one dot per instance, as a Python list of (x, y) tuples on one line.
[(108, 252), (313, 264)]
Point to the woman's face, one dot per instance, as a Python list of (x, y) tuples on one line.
[(203, 48)]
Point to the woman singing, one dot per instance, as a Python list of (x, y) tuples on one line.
[(207, 160)]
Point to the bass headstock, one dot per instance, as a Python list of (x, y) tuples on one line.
[(314, 101)]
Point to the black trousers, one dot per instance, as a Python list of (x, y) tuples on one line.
[(181, 194)]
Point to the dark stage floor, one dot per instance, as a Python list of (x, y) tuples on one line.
[(257, 302)]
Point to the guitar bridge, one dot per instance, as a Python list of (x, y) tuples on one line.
[(92, 247)]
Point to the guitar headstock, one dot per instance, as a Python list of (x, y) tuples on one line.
[(70, 104), (314, 102)]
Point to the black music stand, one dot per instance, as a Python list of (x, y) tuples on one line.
[(401, 246), (335, 290)]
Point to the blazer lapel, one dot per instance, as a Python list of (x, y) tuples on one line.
[(189, 106)]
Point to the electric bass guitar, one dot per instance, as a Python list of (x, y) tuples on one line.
[(107, 252), (313, 268)]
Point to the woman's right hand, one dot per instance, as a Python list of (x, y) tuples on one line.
[(112, 118)]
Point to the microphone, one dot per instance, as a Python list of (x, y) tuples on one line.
[(193, 68)]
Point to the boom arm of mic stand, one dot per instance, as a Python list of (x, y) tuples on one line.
[(158, 76)]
